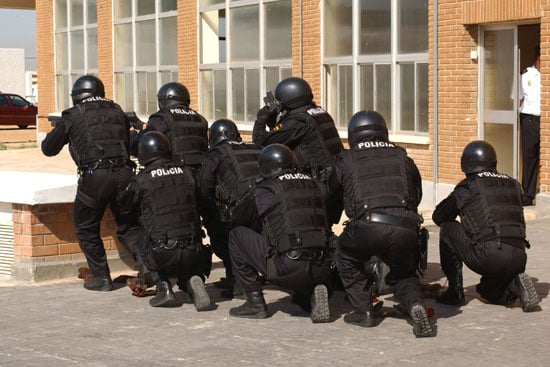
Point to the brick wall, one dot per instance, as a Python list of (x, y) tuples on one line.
[(45, 63), (545, 96), (188, 70), (105, 45)]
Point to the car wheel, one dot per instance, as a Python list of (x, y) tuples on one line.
[(23, 126)]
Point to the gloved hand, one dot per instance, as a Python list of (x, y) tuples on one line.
[(267, 115)]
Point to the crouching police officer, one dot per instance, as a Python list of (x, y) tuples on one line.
[(165, 194), (490, 238), (229, 171), (97, 131), (381, 189), (281, 232)]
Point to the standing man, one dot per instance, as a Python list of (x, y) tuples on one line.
[(281, 232), (97, 131), (490, 238), (529, 119), (228, 172), (381, 189), (165, 193)]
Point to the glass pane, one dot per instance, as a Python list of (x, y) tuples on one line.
[(168, 5), (77, 13), (212, 33), (145, 47), (220, 94), (92, 12), (210, 2), (500, 136), (122, 8), (375, 27), (338, 27), (61, 52), (278, 30), (245, 34), (366, 87), (412, 27), (168, 45), (382, 93), (252, 94), (422, 97), (77, 50), (499, 70), (237, 91), (124, 85), (145, 7), (271, 78), (60, 92), (286, 73), (61, 14), (91, 42), (345, 91), (406, 97), (123, 45), (146, 93), (207, 95), (331, 95)]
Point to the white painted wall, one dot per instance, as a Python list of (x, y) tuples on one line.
[(12, 70)]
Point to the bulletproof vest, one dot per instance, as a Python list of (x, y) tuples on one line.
[(319, 149), (494, 210), (378, 179), (99, 132), (188, 134), (168, 205), (299, 219), (237, 172)]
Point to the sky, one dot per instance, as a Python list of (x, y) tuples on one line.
[(18, 30)]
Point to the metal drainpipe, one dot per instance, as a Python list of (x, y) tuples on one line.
[(435, 102), (300, 56)]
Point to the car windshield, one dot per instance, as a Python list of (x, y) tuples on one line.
[(18, 101)]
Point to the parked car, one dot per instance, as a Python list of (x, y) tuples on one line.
[(16, 110)]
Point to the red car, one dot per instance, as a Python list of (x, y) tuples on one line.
[(16, 110)]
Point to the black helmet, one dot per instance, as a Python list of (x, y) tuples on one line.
[(366, 124), (478, 156), (87, 86), (276, 159), (153, 145), (293, 92), (222, 130), (173, 93)]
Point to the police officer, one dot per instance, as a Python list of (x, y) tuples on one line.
[(296, 121), (97, 131), (281, 232), (490, 238), (165, 195), (381, 188), (186, 129), (228, 172)]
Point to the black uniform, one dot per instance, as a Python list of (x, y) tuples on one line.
[(97, 131), (381, 189), (281, 231), (311, 134), (228, 172), (490, 239), (165, 195)]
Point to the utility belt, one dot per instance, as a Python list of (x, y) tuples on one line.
[(186, 244), (410, 224), (500, 234), (89, 168), (306, 255)]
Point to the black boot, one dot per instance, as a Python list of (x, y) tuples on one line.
[(423, 325), (99, 284), (453, 296), (201, 299), (320, 311), (164, 297), (522, 286), (361, 318), (452, 268), (254, 307)]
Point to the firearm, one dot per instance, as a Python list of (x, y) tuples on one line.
[(135, 122), (274, 107), (423, 237)]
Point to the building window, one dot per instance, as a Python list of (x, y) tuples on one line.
[(145, 51), (75, 29), (376, 57), (245, 49)]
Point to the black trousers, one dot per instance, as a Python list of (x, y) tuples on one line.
[(249, 253), (396, 246), (530, 150), (219, 238), (95, 192), (496, 265)]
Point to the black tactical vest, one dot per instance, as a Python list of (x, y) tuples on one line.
[(99, 132), (188, 134), (320, 149), (299, 219), (237, 172), (494, 210), (168, 205), (378, 179)]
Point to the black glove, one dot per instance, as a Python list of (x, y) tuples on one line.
[(267, 116)]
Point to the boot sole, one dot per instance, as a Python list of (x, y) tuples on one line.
[(529, 297), (259, 315), (423, 327), (201, 299), (167, 302), (320, 311)]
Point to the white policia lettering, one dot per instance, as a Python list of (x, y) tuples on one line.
[(315, 111), (375, 144), (492, 174), (94, 99), (167, 171), (181, 111), (294, 176)]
